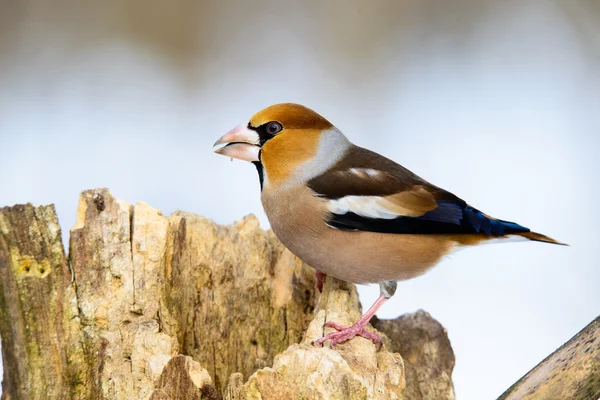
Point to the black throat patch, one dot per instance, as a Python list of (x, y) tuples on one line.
[(260, 169)]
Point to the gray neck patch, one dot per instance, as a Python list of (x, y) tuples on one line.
[(332, 147)]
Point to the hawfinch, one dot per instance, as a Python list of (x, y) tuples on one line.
[(352, 213)]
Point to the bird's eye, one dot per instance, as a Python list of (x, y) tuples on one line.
[(273, 128)]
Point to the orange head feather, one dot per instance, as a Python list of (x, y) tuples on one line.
[(297, 140), (291, 116), (284, 140)]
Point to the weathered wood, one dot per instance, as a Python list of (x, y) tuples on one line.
[(124, 344), (184, 378), (147, 287), (571, 372), (354, 370), (236, 297), (229, 296), (428, 356), (42, 345)]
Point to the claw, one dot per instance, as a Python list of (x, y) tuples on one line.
[(335, 326), (345, 333)]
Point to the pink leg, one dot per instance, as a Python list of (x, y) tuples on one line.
[(348, 332), (320, 278)]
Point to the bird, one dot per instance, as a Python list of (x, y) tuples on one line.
[(352, 213)]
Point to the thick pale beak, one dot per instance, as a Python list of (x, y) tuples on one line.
[(241, 143)]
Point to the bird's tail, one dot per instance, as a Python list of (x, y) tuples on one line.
[(538, 237)]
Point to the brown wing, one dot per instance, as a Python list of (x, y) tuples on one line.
[(367, 191), (362, 173)]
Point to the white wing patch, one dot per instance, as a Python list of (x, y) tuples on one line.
[(368, 206), (365, 172), (382, 207), (365, 206)]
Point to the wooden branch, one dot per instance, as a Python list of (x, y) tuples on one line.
[(571, 372)]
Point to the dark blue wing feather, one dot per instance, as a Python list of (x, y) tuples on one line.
[(448, 218), (446, 211)]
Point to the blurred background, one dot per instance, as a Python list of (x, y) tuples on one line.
[(496, 101)]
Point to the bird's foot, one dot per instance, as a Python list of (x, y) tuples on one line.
[(320, 279), (345, 333)]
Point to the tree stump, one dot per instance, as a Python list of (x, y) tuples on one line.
[(148, 306)]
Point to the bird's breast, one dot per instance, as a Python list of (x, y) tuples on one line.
[(298, 219)]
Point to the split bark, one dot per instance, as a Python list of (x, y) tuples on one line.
[(42, 343)]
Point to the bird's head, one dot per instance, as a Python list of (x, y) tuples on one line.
[(281, 138)]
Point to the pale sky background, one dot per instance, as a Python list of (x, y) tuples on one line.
[(496, 101)]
